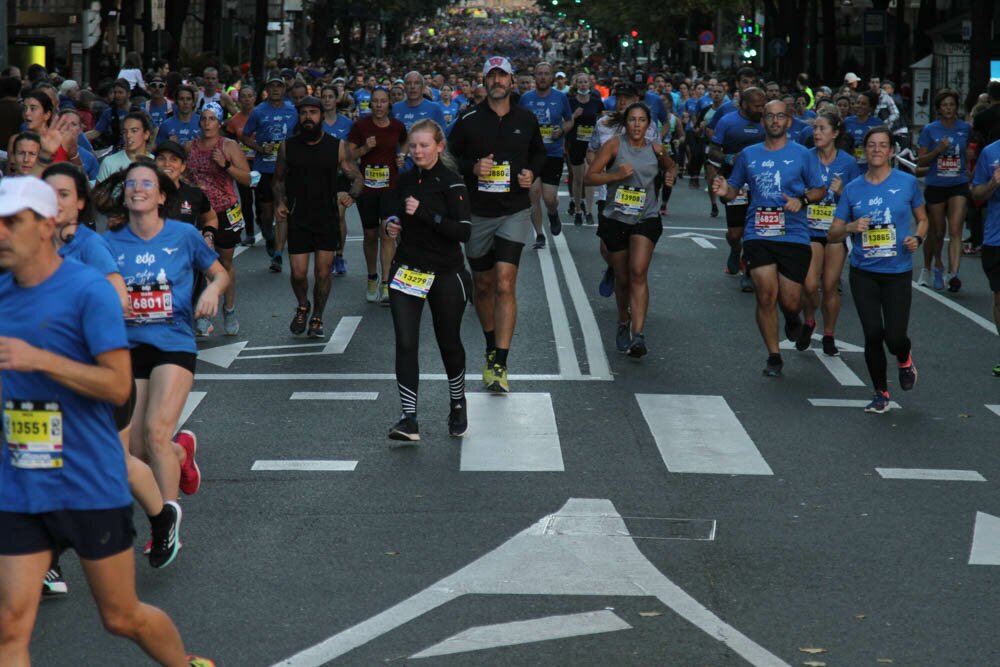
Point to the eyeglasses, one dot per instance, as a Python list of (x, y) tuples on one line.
[(157, 85), (147, 184), (776, 116)]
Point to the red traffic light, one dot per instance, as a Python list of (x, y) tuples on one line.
[(635, 33)]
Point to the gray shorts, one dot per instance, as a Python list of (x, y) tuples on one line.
[(515, 227)]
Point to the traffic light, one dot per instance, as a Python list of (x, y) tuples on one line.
[(635, 33)]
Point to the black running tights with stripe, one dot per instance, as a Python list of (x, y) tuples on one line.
[(883, 303), (447, 300)]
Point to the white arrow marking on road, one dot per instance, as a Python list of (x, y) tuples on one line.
[(190, 405), (512, 433), (699, 239), (985, 540), (839, 370), (843, 346), (995, 409), (700, 434), (223, 355), (846, 403), (324, 466), (930, 474), (339, 339), (584, 549), (526, 632)]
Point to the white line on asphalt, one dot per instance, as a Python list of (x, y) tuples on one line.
[(930, 474), (326, 377), (525, 632), (338, 342), (961, 310), (597, 358), (846, 403), (703, 242), (190, 405), (995, 409), (334, 396), (282, 347), (696, 229), (511, 433), (985, 540), (700, 434), (313, 466), (839, 370), (569, 365)]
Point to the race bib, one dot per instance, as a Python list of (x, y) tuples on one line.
[(879, 242), (949, 166), (630, 201), (769, 221), (234, 219), (376, 176), (151, 303), (859, 155), (33, 431), (498, 179), (739, 200), (584, 132), (412, 282), (820, 216), (366, 106), (272, 155), (547, 133), (248, 152)]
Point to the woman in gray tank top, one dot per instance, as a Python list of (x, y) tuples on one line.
[(630, 225)]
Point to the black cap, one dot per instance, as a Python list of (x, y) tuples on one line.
[(274, 78), (309, 101), (170, 146), (626, 89)]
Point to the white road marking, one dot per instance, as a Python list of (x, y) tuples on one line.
[(700, 434), (846, 403), (222, 355), (512, 433), (338, 342), (328, 377), (282, 347), (190, 405), (703, 242), (578, 557), (786, 344), (334, 396), (995, 409), (985, 540), (840, 371), (930, 474), (314, 466), (696, 229), (569, 365), (526, 632), (597, 358), (961, 310)]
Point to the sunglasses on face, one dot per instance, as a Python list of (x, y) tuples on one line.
[(147, 184), (157, 85)]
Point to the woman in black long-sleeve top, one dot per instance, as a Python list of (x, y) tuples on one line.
[(432, 222)]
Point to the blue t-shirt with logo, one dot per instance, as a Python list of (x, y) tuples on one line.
[(889, 207), (408, 115), (76, 461), (551, 111), (160, 113), (363, 99), (451, 110), (949, 168), (159, 271), (847, 169), (857, 130), (268, 124), (90, 248), (726, 108), (182, 131), (340, 128), (735, 132), (989, 160), (771, 175)]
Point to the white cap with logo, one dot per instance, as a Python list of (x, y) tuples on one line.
[(497, 62), (18, 193)]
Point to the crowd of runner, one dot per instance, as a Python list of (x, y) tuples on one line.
[(451, 157)]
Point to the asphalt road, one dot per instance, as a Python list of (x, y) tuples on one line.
[(679, 510)]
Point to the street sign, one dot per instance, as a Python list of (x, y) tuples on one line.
[(706, 48), (706, 37), (874, 29)]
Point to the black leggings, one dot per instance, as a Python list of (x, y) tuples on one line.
[(447, 300), (246, 205), (697, 157), (883, 303)]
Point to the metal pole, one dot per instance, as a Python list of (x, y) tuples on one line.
[(3, 34)]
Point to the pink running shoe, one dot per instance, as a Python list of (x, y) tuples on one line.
[(190, 474)]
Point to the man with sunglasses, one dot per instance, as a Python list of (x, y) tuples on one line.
[(157, 107)]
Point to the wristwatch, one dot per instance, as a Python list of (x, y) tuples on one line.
[(229, 163), (805, 201)]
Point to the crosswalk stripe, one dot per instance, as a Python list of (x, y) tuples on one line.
[(846, 403), (700, 434), (324, 466), (511, 433), (334, 396), (930, 474)]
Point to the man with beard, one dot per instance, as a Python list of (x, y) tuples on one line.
[(735, 132), (783, 182), (312, 167), (499, 151)]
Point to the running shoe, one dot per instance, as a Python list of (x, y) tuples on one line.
[(298, 325), (383, 297), (371, 290), (405, 429), (315, 328), (879, 404), (167, 540), (954, 283), (607, 285), (491, 356), (458, 419), (203, 327), (938, 278), (588, 217), (715, 210), (578, 219), (539, 242), (555, 224), (623, 336), (499, 384), (696, 182), (907, 375), (663, 209), (830, 346), (190, 474), (925, 278), (230, 324), (339, 265), (804, 339), (572, 208), (746, 284), (275, 266), (196, 661), (773, 367), (637, 348), (248, 241), (733, 262), (54, 585), (793, 327)]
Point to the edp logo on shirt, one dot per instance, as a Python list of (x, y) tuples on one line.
[(145, 258), (875, 201)]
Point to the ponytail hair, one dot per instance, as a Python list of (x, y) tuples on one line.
[(428, 125)]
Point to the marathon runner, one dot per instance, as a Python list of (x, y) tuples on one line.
[(338, 126), (986, 187), (587, 107), (185, 124), (234, 128)]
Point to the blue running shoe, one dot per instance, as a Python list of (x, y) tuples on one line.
[(938, 278), (879, 404), (607, 285), (623, 337)]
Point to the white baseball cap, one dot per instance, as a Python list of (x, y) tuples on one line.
[(18, 193), (497, 62), (851, 77), (561, 74)]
